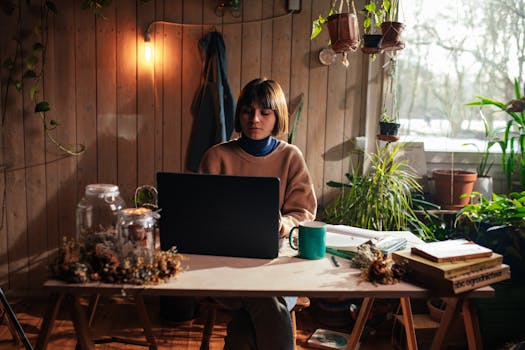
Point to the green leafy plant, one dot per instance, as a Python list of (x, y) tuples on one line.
[(373, 17), (317, 24), (513, 142), (485, 164), (498, 224), (380, 198), (390, 10)]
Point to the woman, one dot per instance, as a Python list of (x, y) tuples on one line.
[(260, 116)]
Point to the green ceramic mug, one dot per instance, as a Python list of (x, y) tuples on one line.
[(312, 239)]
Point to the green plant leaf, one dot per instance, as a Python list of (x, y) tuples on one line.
[(38, 47), (31, 61), (29, 74), (33, 91), (42, 107), (53, 123), (317, 26)]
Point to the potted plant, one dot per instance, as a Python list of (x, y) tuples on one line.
[(499, 224), (512, 145), (388, 127), (390, 28), (342, 26), (372, 20), (380, 198)]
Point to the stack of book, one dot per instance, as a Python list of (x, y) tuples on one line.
[(453, 266)]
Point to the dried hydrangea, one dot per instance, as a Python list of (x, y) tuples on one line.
[(375, 266), (99, 257)]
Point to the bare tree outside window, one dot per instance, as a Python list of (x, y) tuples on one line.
[(455, 51)]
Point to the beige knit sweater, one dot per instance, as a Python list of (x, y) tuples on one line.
[(297, 198)]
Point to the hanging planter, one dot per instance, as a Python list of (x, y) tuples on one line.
[(451, 185), (392, 36), (343, 31), (372, 43)]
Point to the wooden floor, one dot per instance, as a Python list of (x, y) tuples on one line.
[(117, 318)]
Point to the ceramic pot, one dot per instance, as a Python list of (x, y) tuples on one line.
[(484, 185), (451, 185), (344, 32)]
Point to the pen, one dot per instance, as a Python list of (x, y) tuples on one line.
[(336, 263)]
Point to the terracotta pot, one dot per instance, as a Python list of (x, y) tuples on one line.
[(344, 32), (392, 36), (450, 185)]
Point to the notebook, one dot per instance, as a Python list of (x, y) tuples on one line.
[(219, 214)]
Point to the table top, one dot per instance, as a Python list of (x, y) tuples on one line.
[(207, 275)]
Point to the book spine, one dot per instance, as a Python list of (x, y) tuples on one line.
[(484, 278), (462, 283), (482, 265)]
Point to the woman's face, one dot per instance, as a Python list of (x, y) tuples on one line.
[(257, 123)]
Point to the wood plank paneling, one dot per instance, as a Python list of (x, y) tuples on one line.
[(191, 68), (127, 142), (35, 173), (251, 42), (170, 65), (135, 118), (106, 68), (146, 117), (317, 97)]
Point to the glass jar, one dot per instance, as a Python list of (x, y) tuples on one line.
[(136, 232), (97, 211)]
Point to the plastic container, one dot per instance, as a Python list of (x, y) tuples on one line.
[(136, 232), (97, 210)]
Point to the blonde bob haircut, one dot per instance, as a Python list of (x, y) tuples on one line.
[(268, 94)]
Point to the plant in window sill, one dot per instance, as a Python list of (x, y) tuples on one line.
[(388, 127), (380, 198), (342, 26), (512, 143), (483, 184)]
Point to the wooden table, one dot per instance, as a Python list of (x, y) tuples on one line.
[(217, 276)]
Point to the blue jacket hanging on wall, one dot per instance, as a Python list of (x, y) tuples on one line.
[(213, 108)]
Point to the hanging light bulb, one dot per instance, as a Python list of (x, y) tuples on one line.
[(148, 51)]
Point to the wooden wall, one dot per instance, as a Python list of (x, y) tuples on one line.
[(134, 117)]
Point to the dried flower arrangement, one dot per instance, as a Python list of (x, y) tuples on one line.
[(375, 266), (99, 257)]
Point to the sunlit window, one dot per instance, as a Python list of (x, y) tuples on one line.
[(455, 51)]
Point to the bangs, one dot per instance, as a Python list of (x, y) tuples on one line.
[(263, 95)]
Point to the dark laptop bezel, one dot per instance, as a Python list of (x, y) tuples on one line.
[(223, 215)]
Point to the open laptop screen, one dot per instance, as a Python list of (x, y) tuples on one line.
[(219, 214)]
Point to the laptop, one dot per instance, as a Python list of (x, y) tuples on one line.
[(219, 214)]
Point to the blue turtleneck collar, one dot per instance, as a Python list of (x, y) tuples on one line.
[(258, 148)]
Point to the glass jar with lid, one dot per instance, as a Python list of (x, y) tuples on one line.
[(97, 210), (136, 231)]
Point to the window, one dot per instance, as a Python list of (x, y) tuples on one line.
[(455, 51)]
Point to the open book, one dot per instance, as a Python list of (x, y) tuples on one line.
[(348, 238)]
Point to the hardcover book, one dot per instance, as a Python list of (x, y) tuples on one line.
[(451, 250), (441, 270), (465, 282)]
